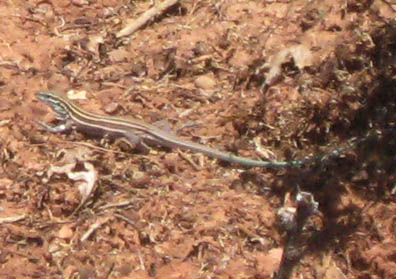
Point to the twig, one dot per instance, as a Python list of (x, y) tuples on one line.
[(142, 267), (294, 221), (12, 219), (134, 24), (79, 143), (120, 204), (93, 228), (122, 217), (185, 157)]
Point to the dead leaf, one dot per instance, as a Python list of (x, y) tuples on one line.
[(301, 55), (88, 177), (93, 43), (77, 95), (60, 169), (70, 159)]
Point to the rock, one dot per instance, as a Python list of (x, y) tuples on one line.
[(205, 82)]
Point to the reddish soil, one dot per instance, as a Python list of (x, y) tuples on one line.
[(273, 80)]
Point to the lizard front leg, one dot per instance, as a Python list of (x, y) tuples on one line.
[(66, 126)]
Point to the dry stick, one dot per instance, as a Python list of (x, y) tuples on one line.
[(93, 228), (306, 206), (189, 160), (12, 219), (133, 25)]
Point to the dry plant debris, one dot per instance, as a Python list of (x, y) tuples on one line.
[(328, 70)]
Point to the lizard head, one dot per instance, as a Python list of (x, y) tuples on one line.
[(57, 101)]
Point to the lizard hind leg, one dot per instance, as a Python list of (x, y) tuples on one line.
[(135, 142)]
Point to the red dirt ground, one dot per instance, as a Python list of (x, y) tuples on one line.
[(273, 80)]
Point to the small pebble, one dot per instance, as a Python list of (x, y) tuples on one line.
[(205, 82)]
